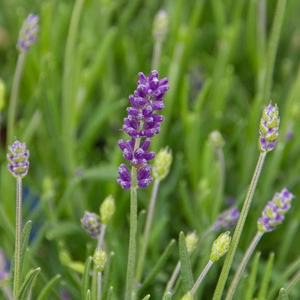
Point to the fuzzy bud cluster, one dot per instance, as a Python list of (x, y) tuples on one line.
[(28, 33), (91, 223), (220, 246), (160, 26), (107, 209), (191, 241), (268, 128), (162, 164), (141, 124), (275, 210), (18, 158), (99, 259)]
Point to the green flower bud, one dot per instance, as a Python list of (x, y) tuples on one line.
[(191, 241), (107, 209), (187, 296), (216, 139), (99, 259), (220, 246), (160, 26), (162, 164)]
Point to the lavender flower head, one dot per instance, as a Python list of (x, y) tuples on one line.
[(18, 158), (91, 223), (268, 128), (141, 124), (227, 219), (28, 33), (274, 211)]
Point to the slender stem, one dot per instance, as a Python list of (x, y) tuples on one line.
[(132, 236), (101, 236), (173, 278), (242, 265), (145, 238), (272, 47), (7, 292), (99, 280), (12, 109), (156, 55), (17, 271), (238, 230), (201, 277)]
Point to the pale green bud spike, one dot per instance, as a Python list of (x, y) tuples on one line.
[(99, 259), (216, 139), (160, 26), (191, 241), (2, 94), (187, 296), (220, 246), (162, 164), (107, 209)]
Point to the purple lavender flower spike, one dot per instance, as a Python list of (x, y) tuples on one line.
[(226, 219), (274, 211), (268, 128), (18, 158), (141, 124), (91, 223), (28, 33)]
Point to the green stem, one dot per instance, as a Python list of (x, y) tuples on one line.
[(242, 265), (145, 239), (17, 270), (156, 55), (132, 236), (99, 280), (272, 48), (238, 230), (173, 278), (12, 109), (201, 277)]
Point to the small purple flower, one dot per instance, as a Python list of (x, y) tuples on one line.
[(91, 223), (18, 158), (268, 128), (28, 33), (226, 219), (141, 124), (274, 211)]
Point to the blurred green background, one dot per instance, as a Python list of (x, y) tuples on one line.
[(71, 105)]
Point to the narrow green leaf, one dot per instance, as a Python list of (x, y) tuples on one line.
[(266, 279), (167, 296), (86, 277), (186, 270), (252, 279), (109, 295), (283, 295), (47, 289), (88, 295), (157, 267), (107, 277), (146, 297), (27, 284)]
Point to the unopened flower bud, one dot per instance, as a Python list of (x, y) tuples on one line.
[(91, 223), (162, 164), (216, 139), (107, 209), (191, 241), (268, 128), (187, 296), (220, 246), (18, 158), (28, 33), (160, 26), (227, 219), (99, 259)]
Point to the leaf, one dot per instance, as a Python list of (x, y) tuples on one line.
[(266, 279), (109, 295), (47, 289), (186, 270), (157, 267), (252, 279), (167, 296), (283, 295), (88, 295), (146, 297), (85, 282), (107, 277), (27, 284)]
